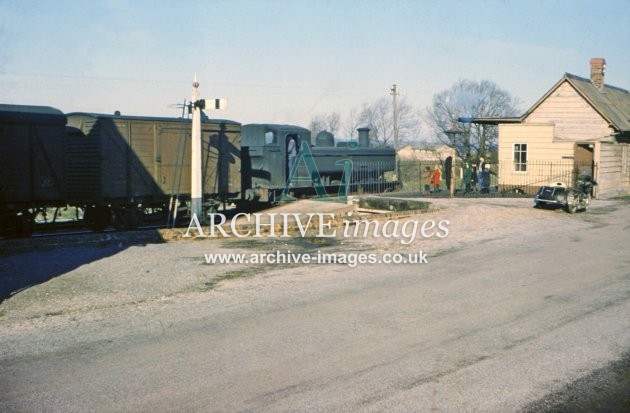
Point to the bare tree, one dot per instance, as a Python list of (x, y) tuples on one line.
[(470, 99), (351, 124), (378, 116), (326, 122)]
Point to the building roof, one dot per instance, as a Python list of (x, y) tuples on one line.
[(612, 103), (495, 121)]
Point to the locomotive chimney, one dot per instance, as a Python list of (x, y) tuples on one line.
[(364, 137), (598, 69)]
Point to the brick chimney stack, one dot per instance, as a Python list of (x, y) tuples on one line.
[(598, 69)]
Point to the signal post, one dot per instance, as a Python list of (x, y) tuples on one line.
[(196, 178), (196, 189)]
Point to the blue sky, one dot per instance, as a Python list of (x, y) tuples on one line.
[(288, 61)]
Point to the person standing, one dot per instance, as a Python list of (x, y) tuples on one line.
[(480, 167), (291, 153), (484, 180), (427, 179), (475, 181), (467, 178), (436, 178)]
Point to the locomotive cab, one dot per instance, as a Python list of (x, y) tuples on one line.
[(265, 158)]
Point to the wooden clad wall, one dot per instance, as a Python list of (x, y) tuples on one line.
[(574, 118), (541, 150), (614, 170), (539, 139)]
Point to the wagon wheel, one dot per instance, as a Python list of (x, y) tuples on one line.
[(16, 226), (127, 217), (97, 218)]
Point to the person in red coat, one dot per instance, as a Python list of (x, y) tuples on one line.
[(436, 178)]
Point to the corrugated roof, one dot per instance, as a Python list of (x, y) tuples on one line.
[(611, 102)]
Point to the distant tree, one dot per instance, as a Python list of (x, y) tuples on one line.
[(469, 98), (325, 122), (378, 116), (351, 125)]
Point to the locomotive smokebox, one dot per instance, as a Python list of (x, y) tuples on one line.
[(364, 137)]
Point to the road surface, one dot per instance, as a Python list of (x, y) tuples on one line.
[(493, 325)]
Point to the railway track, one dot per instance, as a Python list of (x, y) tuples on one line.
[(71, 237)]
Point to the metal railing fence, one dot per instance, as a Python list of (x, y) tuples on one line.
[(503, 179)]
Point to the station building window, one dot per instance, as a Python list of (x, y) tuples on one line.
[(520, 157)]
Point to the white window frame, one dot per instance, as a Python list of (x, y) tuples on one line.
[(519, 158)]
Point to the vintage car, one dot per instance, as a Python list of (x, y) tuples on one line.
[(558, 195)]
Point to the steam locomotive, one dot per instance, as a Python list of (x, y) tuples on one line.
[(115, 168)]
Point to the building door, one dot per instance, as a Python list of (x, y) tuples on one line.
[(584, 160), (585, 163)]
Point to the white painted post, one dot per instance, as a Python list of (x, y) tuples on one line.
[(195, 173)]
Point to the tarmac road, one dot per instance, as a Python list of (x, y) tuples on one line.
[(494, 326)]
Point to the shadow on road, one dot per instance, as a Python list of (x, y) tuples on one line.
[(604, 390), (21, 269)]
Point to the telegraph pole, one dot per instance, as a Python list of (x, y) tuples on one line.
[(394, 93), (196, 193)]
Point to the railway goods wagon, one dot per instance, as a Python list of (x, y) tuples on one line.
[(126, 164), (265, 162), (117, 168), (31, 164)]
